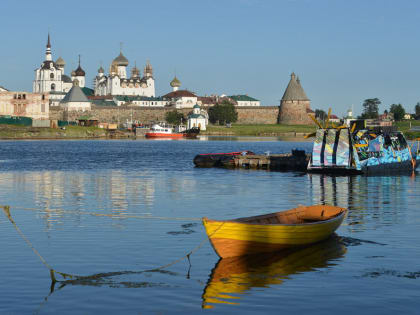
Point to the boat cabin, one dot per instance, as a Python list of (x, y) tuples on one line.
[(159, 129)]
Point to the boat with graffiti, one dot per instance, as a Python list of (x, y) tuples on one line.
[(362, 151)]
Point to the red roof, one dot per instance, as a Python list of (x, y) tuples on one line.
[(179, 93)]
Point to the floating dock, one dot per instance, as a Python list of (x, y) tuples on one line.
[(278, 162), (297, 160)]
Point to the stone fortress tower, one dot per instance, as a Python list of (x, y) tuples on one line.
[(295, 105)]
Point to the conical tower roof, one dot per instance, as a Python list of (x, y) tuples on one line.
[(294, 91), (75, 95)]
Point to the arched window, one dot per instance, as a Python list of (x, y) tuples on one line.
[(53, 87)]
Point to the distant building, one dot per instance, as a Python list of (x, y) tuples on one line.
[(75, 99), (24, 104), (387, 116), (348, 118), (334, 119), (245, 100), (140, 101), (117, 81), (50, 77), (197, 119), (180, 98), (3, 89), (213, 100), (295, 105), (408, 116)]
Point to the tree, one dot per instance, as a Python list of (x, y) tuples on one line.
[(174, 117), (417, 109), (223, 113), (320, 114), (371, 108), (398, 111)]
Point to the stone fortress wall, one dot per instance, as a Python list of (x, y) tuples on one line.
[(147, 115)]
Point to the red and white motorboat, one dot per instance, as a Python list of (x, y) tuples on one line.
[(158, 131)]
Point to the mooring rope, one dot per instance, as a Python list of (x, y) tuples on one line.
[(9, 216), (111, 215), (6, 210)]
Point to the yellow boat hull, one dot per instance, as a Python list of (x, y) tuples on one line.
[(236, 238)]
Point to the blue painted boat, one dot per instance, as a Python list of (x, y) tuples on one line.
[(341, 150)]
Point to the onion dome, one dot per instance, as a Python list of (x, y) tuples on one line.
[(66, 79), (148, 70), (73, 73), (135, 72), (120, 60), (175, 82), (80, 72), (196, 106), (101, 70), (60, 62)]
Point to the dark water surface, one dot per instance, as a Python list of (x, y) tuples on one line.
[(123, 207)]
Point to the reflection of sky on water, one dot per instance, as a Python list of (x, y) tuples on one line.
[(52, 192), (366, 197), (120, 193)]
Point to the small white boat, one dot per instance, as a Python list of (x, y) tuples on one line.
[(158, 131)]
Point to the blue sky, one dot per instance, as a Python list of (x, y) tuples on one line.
[(343, 51)]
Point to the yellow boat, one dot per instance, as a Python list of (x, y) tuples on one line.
[(232, 277), (275, 231)]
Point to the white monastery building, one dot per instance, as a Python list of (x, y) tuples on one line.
[(180, 98), (197, 119), (50, 77), (117, 81)]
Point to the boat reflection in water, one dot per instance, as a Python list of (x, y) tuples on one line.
[(236, 275)]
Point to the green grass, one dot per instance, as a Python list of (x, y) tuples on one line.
[(404, 126), (257, 130), (22, 132)]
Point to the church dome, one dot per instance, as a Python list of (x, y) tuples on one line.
[(73, 73), (101, 70), (120, 60), (80, 72), (135, 72), (175, 82), (66, 79), (196, 106), (60, 62)]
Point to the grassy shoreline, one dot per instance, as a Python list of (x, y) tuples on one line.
[(259, 130), (11, 132)]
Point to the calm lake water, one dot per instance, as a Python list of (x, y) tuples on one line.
[(121, 208)]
